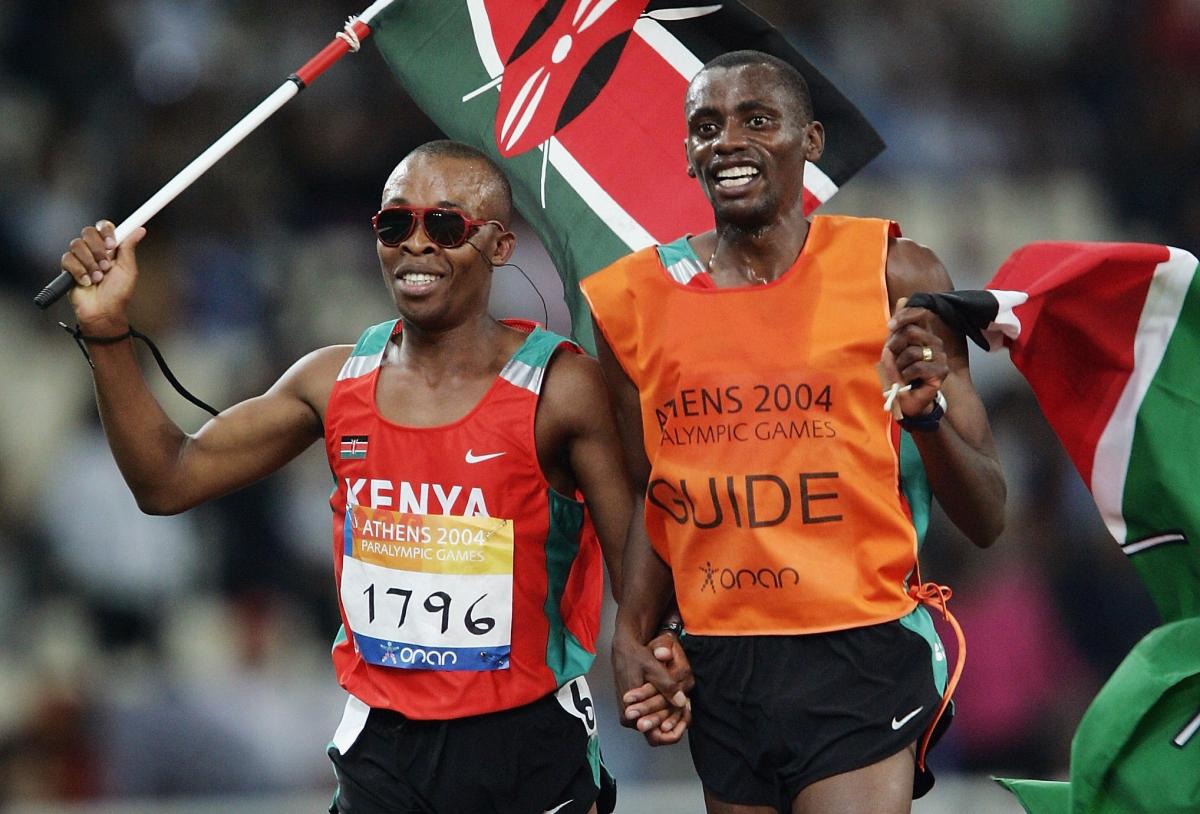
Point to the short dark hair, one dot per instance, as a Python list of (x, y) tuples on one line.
[(445, 148), (793, 81)]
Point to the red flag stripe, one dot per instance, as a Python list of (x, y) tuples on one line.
[(1080, 295), (645, 170), (508, 22), (496, 30), (537, 84)]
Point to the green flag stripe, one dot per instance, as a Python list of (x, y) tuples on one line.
[(1160, 315), (1159, 496), (1166, 445), (578, 238)]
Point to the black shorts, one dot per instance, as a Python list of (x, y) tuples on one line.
[(542, 757), (773, 714)]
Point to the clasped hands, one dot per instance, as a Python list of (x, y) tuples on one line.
[(653, 680)]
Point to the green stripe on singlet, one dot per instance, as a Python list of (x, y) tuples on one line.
[(538, 347), (374, 339), (915, 487), (680, 260), (565, 655), (368, 351), (527, 367), (920, 622), (678, 249), (594, 758)]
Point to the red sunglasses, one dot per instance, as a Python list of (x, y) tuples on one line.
[(448, 228)]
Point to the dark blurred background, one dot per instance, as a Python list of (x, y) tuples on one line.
[(166, 658)]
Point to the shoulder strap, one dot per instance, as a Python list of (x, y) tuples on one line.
[(368, 353), (680, 260), (527, 367)]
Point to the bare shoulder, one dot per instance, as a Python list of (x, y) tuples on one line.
[(321, 363), (311, 377), (912, 267)]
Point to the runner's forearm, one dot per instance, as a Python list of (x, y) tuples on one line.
[(170, 471), (648, 590), (967, 481), (144, 440)]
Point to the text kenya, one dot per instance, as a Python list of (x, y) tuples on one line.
[(409, 498)]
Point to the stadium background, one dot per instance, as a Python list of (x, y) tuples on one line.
[(181, 664)]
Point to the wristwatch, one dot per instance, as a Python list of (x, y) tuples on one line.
[(673, 626)]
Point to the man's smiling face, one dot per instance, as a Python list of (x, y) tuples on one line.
[(431, 285), (748, 139)]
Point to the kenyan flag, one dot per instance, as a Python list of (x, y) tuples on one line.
[(1108, 336), (581, 103)]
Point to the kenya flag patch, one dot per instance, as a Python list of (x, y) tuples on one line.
[(354, 447)]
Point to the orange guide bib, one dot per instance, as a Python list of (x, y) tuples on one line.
[(775, 477)]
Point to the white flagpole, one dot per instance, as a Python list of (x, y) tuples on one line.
[(349, 39)]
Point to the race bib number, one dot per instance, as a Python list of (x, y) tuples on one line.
[(576, 698), (428, 591)]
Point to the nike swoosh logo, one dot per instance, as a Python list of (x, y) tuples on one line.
[(897, 723), (560, 805), (474, 459)]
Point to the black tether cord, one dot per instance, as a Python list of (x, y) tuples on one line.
[(132, 333), (528, 279), (545, 310)]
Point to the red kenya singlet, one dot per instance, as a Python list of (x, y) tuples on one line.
[(466, 584)]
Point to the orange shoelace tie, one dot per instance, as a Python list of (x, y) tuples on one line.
[(936, 596)]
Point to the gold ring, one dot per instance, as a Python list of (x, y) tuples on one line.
[(926, 353)]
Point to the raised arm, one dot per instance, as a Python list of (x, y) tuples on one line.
[(167, 470), (960, 456)]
